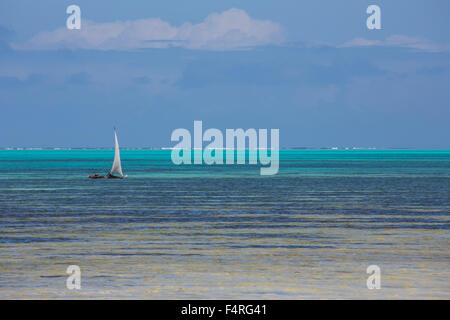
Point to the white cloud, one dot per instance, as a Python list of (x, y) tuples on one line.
[(231, 29), (398, 41)]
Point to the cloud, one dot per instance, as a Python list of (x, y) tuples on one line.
[(5, 36), (16, 82), (79, 78), (266, 68), (399, 41), (141, 80), (229, 30)]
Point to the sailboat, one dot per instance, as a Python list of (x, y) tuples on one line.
[(116, 170)]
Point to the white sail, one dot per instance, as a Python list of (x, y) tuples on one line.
[(117, 166)]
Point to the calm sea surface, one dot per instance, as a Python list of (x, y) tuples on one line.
[(196, 231)]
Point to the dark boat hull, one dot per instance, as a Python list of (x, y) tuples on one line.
[(108, 176), (111, 176), (96, 176)]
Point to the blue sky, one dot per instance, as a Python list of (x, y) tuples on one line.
[(310, 68)]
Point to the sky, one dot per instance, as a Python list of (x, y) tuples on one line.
[(311, 69)]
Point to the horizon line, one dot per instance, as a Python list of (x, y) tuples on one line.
[(172, 148)]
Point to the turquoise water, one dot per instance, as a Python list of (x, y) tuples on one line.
[(198, 231)]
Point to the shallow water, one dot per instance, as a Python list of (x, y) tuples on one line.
[(198, 231)]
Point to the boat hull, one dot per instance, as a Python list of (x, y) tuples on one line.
[(108, 176), (96, 176), (111, 176)]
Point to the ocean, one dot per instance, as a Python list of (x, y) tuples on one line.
[(225, 231)]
